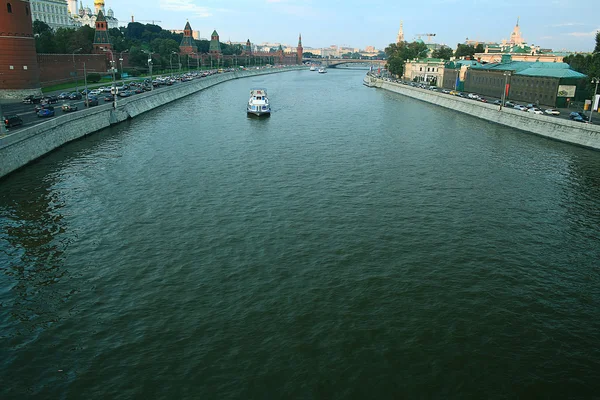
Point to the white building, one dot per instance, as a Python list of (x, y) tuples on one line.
[(55, 13), (85, 16)]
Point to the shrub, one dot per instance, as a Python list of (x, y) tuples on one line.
[(93, 78)]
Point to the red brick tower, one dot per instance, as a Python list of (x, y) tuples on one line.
[(299, 50), (101, 38), (187, 45), (19, 73)]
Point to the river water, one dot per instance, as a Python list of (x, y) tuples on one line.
[(357, 244)]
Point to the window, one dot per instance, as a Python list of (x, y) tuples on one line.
[(9, 8)]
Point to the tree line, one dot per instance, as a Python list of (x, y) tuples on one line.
[(588, 64), (399, 53), (135, 38)]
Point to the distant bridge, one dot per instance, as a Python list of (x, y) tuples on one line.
[(333, 62)]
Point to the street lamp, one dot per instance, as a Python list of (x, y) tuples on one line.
[(171, 61), (150, 67), (75, 68), (596, 81), (506, 74), (121, 61), (114, 82)]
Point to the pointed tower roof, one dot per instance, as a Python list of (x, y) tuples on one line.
[(187, 44), (299, 40), (101, 38), (100, 17), (215, 46)]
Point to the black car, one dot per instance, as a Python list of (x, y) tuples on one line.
[(12, 120), (49, 100), (91, 101), (75, 96), (31, 99), (42, 106), (64, 96), (109, 97)]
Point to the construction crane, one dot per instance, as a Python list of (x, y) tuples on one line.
[(429, 36), (146, 20)]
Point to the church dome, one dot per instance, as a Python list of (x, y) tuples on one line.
[(88, 11), (110, 13)]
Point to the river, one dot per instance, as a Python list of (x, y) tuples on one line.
[(356, 244)]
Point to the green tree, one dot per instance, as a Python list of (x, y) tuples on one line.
[(398, 53), (444, 52), (597, 48), (463, 50), (479, 48)]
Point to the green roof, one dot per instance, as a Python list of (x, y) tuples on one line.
[(535, 68)]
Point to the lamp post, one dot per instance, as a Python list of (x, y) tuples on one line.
[(596, 81), (171, 61), (85, 84), (121, 61), (506, 74), (113, 90), (150, 67), (75, 68), (188, 62), (179, 59)]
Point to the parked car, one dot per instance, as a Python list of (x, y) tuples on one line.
[(498, 102), (64, 96), (473, 96), (68, 108), (91, 101), (509, 104), (552, 111), (535, 110), (520, 107), (12, 120), (31, 99), (75, 96), (482, 99), (578, 116), (46, 112)]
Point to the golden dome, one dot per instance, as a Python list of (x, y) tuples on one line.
[(98, 2)]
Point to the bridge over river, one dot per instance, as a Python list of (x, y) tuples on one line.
[(335, 62)]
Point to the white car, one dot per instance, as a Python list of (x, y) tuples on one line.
[(535, 110), (473, 96), (552, 111), (95, 92), (520, 107)]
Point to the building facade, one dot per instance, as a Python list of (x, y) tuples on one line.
[(55, 13), (19, 73), (429, 70), (548, 84), (85, 16)]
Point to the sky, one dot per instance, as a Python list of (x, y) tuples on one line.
[(555, 24)]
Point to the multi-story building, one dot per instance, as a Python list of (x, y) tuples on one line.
[(55, 13), (85, 16), (424, 70), (549, 84)]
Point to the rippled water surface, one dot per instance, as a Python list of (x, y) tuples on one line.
[(357, 244)]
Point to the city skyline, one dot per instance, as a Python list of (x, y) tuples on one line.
[(358, 24)]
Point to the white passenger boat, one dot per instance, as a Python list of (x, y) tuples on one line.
[(259, 103), (313, 68), (322, 70)]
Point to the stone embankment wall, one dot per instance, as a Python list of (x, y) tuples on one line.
[(554, 128), (28, 144)]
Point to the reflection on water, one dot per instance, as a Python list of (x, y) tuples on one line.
[(357, 243)]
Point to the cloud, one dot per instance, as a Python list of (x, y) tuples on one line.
[(567, 24), (187, 6), (584, 34)]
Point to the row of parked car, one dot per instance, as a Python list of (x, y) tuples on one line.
[(44, 104), (531, 108)]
